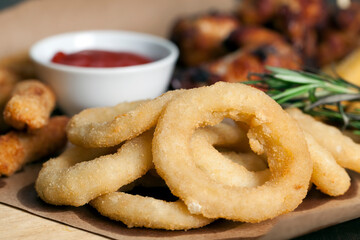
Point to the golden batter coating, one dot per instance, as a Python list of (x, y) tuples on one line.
[(19, 148), (30, 105), (7, 84)]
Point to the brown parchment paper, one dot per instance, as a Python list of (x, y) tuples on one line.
[(316, 212)]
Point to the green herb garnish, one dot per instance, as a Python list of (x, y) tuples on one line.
[(317, 94)]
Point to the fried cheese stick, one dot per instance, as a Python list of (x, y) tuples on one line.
[(7, 84), (30, 105), (19, 148)]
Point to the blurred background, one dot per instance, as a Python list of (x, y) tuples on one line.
[(8, 3)]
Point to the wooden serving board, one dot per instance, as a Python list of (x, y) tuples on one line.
[(316, 212)]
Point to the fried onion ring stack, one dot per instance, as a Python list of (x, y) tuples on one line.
[(289, 163), (254, 167)]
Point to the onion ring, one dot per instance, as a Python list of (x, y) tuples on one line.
[(345, 151), (139, 211), (229, 167), (249, 160), (328, 176), (215, 164), (289, 163), (74, 179), (109, 126)]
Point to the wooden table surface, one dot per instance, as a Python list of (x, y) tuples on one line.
[(17, 224)]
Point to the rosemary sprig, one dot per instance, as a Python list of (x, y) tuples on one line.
[(317, 94)]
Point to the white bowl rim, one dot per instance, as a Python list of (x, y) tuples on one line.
[(171, 57)]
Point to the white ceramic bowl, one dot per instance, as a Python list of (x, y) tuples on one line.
[(78, 88)]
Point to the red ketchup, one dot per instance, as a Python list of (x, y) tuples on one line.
[(100, 59)]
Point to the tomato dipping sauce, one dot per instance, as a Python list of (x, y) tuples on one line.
[(100, 59)]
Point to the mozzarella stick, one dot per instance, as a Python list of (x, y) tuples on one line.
[(30, 105), (19, 148), (345, 151), (7, 84)]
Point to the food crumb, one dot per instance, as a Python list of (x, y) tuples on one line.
[(194, 207)]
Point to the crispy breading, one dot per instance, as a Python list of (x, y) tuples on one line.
[(7, 84), (19, 148), (345, 151), (30, 105)]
